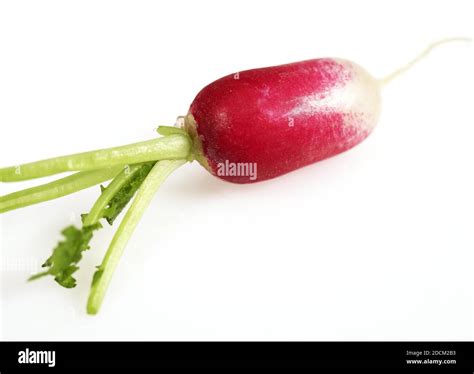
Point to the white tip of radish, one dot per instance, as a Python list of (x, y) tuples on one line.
[(357, 98), (361, 98)]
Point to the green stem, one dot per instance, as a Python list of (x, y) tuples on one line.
[(103, 275), (171, 147), (117, 183), (55, 189), (170, 130)]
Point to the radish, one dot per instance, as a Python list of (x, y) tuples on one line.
[(246, 127), (284, 117)]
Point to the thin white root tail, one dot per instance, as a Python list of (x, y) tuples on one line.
[(421, 56)]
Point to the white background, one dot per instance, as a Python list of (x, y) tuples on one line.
[(373, 244)]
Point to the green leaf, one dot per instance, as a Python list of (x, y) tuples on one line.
[(97, 275), (62, 264), (125, 194)]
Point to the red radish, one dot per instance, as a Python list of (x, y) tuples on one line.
[(283, 117), (243, 128)]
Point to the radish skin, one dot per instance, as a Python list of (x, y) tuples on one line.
[(284, 117)]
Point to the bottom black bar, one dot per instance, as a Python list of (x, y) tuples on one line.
[(383, 357)]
